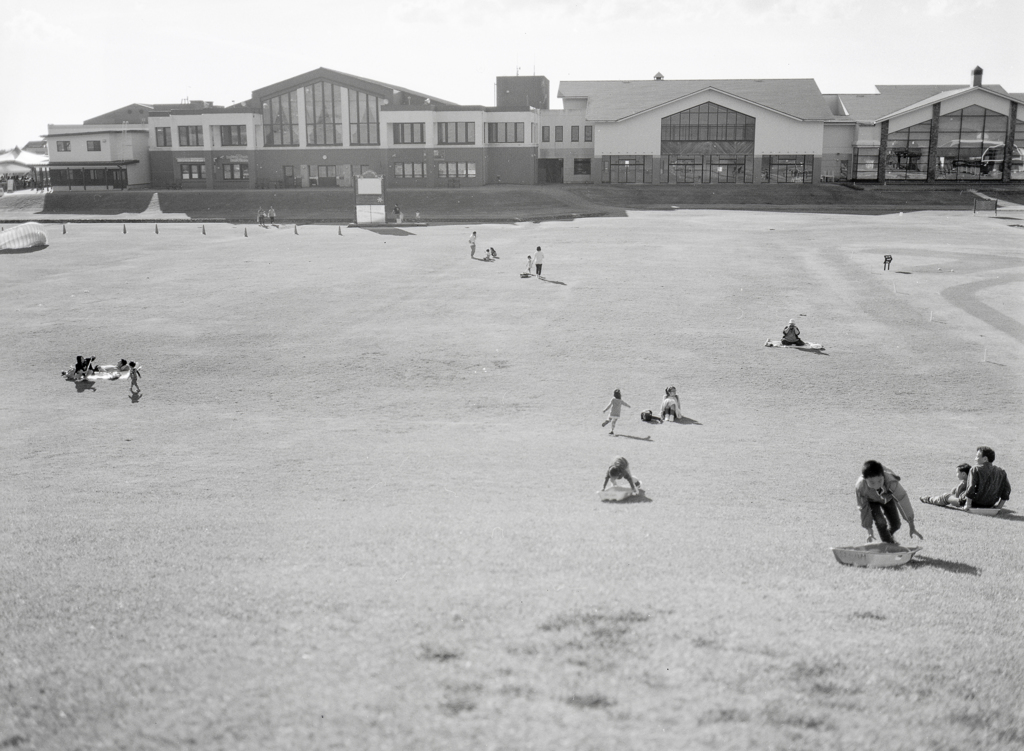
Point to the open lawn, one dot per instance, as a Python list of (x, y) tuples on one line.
[(354, 506)]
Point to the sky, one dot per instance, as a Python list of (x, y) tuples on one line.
[(64, 61)]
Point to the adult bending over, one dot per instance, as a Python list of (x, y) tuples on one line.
[(881, 500)]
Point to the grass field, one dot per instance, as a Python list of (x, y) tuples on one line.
[(354, 507)]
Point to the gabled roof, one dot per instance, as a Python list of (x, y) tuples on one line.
[(618, 100), (893, 100), (378, 88), (942, 96)]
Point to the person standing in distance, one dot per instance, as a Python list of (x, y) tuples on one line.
[(472, 245), (538, 260)]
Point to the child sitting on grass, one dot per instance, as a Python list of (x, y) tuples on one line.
[(957, 495)]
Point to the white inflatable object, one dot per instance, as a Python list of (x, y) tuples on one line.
[(875, 555), (23, 237)]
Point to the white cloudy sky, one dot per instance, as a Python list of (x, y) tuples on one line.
[(63, 61)]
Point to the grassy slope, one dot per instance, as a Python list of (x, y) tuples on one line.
[(354, 507), (507, 203)]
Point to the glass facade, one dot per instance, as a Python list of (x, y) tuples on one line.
[(363, 118), (788, 168), (281, 120), (629, 169), (970, 145), (325, 118), (456, 133), (906, 153), (706, 123)]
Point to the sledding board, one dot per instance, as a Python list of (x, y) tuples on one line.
[(874, 555), (620, 492), (805, 345), (978, 511), (93, 377)]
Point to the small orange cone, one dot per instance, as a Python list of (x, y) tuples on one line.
[(245, 231), (296, 229), (339, 230), (157, 228), (124, 229), (204, 229), (65, 229)]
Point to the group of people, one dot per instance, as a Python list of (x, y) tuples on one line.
[(882, 500), (266, 218), (86, 366), (670, 409), (534, 263)]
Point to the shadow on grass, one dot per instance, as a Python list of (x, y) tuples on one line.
[(683, 421), (904, 272), (20, 251), (642, 497), (953, 567), (135, 397), (84, 385), (551, 281), (634, 437)]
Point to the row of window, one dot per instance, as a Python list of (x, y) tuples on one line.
[(574, 133), (89, 146), (328, 132), (411, 170), (227, 171)]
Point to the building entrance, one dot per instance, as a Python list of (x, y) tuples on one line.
[(549, 171)]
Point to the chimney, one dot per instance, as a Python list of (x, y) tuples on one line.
[(977, 75), (659, 77)]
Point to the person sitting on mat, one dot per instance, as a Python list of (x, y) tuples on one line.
[(670, 409), (619, 469), (987, 485), (791, 335), (957, 495)]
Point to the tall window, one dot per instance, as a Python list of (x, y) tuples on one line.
[(456, 133), (281, 120), (232, 135), (545, 133), (163, 137), (506, 132), (588, 133), (574, 133), (190, 135), (787, 168), (693, 131), (906, 154), (629, 168), (325, 118), (558, 134), (409, 133), (63, 145), (969, 140), (363, 118)]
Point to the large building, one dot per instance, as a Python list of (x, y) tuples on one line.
[(321, 128)]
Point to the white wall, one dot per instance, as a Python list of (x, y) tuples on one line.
[(773, 134)]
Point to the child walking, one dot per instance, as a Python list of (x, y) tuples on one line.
[(135, 374), (615, 405)]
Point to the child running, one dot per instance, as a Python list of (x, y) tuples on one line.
[(615, 405)]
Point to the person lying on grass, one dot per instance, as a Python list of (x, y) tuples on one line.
[(618, 470), (881, 500), (791, 335), (957, 495)]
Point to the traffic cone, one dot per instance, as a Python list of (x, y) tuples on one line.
[(124, 229), (339, 230), (245, 231), (157, 228), (296, 229), (204, 229), (65, 227)]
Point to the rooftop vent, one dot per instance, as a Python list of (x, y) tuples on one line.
[(977, 76), (659, 77)]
